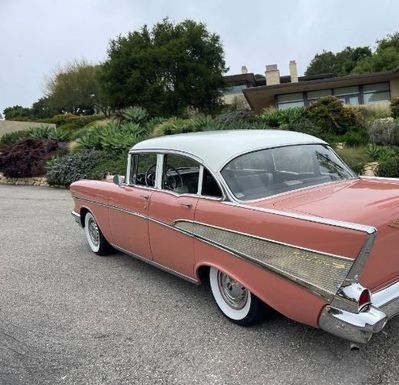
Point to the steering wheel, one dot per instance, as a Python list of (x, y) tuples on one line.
[(172, 182), (149, 176)]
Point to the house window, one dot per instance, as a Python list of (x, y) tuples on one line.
[(348, 95), (376, 93), (290, 100), (314, 95)]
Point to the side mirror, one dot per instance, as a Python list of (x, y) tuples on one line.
[(117, 179)]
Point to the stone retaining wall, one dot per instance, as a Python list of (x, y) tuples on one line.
[(35, 181), (7, 126)]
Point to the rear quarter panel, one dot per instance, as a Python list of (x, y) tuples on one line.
[(284, 295)]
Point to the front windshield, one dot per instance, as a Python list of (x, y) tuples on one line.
[(273, 171)]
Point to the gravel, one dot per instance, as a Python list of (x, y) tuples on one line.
[(68, 316)]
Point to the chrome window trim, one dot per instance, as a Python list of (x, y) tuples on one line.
[(200, 179), (159, 171), (243, 202), (128, 171), (129, 181), (215, 175)]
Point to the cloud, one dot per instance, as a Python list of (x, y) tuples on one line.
[(39, 36)]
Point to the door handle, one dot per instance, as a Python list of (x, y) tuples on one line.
[(146, 197), (187, 205)]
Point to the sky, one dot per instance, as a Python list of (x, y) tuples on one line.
[(37, 37)]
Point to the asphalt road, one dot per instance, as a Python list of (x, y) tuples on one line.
[(68, 316)]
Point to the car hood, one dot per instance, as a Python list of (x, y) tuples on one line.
[(371, 202)]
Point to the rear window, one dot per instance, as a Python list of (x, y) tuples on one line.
[(273, 171)]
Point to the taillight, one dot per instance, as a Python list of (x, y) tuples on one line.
[(364, 299)]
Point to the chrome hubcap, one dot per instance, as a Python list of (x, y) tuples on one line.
[(235, 295), (93, 232)]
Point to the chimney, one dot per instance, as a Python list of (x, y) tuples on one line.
[(244, 70), (293, 72), (272, 75)]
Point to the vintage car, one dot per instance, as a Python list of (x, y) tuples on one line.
[(269, 217)]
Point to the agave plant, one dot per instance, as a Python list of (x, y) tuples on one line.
[(203, 122), (135, 114), (49, 133), (92, 140), (40, 132)]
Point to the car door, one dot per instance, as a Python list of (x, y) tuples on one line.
[(176, 199), (130, 204)]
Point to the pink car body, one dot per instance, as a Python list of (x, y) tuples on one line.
[(326, 255)]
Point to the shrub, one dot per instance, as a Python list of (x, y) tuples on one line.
[(383, 131), (82, 120), (13, 137), (201, 122), (135, 114), (395, 107), (332, 116), (373, 111), (119, 138), (113, 138), (69, 127), (62, 171), (112, 166), (379, 153), (235, 115), (287, 117), (27, 158), (306, 126), (49, 133), (354, 138), (172, 126), (389, 168), (355, 157)]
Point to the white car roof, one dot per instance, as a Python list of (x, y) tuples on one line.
[(216, 148)]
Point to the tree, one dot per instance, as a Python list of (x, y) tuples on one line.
[(389, 41), (166, 69), (358, 60), (341, 63), (16, 113), (74, 89), (382, 60), (41, 109)]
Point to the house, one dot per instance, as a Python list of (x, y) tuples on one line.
[(260, 92)]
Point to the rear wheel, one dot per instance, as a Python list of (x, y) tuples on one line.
[(95, 238), (235, 301)]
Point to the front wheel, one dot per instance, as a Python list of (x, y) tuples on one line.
[(95, 238), (235, 301)]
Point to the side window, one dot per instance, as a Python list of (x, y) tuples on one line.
[(180, 174), (210, 187), (143, 168)]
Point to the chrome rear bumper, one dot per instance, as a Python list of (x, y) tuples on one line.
[(360, 327)]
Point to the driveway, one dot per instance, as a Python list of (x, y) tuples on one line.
[(68, 316)]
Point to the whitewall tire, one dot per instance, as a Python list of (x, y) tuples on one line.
[(235, 301), (95, 238)]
